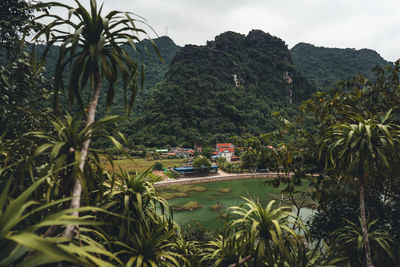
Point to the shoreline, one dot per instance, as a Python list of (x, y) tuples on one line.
[(217, 178)]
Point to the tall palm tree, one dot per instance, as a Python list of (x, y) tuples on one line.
[(93, 51), (357, 152)]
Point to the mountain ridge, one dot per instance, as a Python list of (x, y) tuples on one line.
[(228, 87), (325, 65)]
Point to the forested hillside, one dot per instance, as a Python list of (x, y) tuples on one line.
[(325, 65), (228, 87), (154, 70)]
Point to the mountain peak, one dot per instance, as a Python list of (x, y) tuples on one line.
[(228, 87)]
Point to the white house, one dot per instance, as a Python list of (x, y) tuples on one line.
[(225, 150)]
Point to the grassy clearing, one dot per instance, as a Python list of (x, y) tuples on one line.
[(142, 164)]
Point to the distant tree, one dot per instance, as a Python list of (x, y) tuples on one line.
[(208, 152), (249, 159), (203, 165), (156, 155), (16, 20), (221, 161), (157, 166)]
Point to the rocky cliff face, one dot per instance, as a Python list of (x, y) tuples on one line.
[(228, 87)]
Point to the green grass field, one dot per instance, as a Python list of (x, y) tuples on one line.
[(141, 164)]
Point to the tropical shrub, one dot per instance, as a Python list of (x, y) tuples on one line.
[(202, 165), (157, 166)]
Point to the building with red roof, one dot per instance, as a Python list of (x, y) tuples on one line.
[(222, 145), (225, 150)]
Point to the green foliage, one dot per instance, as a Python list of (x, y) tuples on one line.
[(221, 161), (203, 165), (22, 93), (199, 102), (23, 105), (325, 66), (157, 166), (62, 151), (146, 233), (270, 226), (15, 23), (356, 126), (208, 152), (358, 141), (361, 148), (154, 72), (21, 244), (228, 248), (350, 241), (195, 232), (171, 174), (93, 51)]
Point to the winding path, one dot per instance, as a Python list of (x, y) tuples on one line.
[(217, 178)]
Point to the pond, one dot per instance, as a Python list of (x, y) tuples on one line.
[(206, 203)]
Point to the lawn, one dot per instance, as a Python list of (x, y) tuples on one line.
[(141, 164)]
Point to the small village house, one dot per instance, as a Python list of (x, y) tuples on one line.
[(225, 150)]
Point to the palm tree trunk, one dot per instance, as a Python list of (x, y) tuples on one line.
[(365, 229), (70, 230)]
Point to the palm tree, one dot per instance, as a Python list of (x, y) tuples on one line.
[(146, 234), (267, 228), (357, 151), (226, 250), (349, 240), (64, 147), (93, 51)]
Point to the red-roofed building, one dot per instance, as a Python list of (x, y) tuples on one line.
[(230, 149), (221, 145), (225, 150)]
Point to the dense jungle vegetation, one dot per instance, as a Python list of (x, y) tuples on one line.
[(228, 87), (59, 207), (325, 66)]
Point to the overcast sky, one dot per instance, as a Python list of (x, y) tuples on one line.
[(373, 24)]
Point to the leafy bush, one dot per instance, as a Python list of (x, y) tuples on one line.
[(203, 165), (171, 174), (196, 232), (157, 166), (221, 161)]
